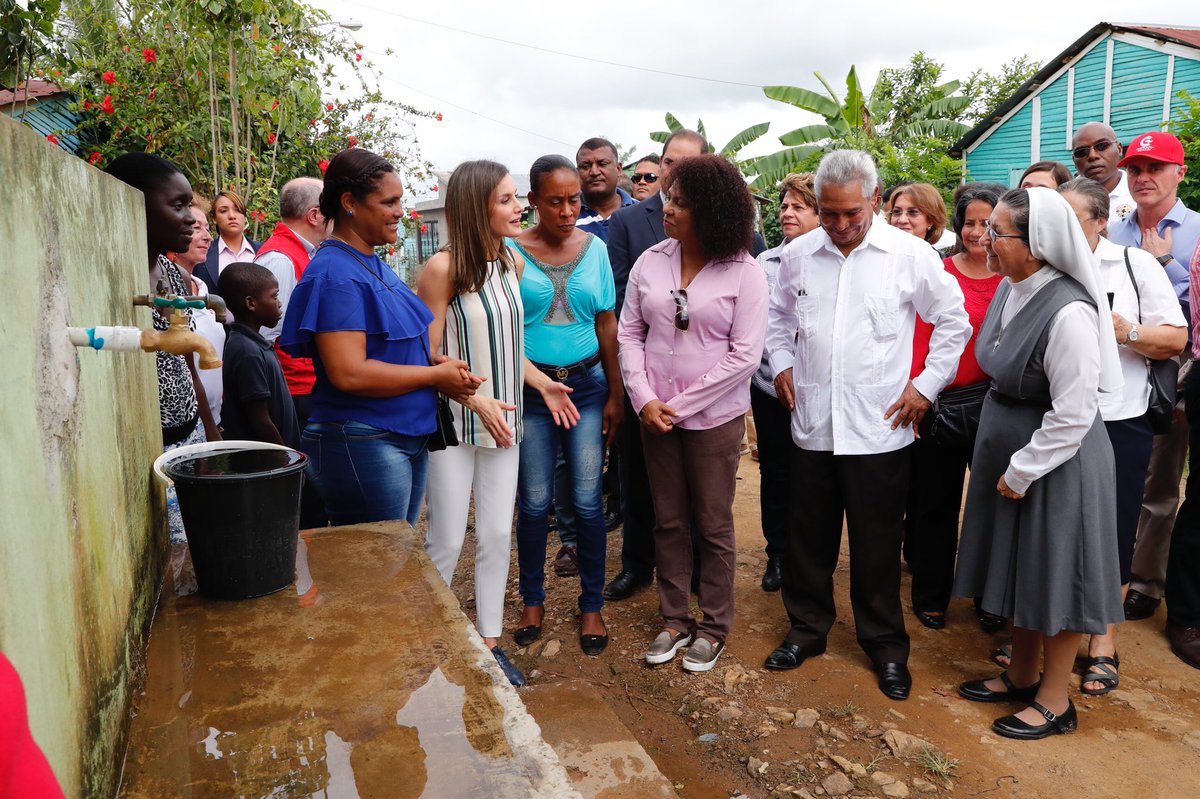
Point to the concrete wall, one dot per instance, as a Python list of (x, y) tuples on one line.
[(81, 530)]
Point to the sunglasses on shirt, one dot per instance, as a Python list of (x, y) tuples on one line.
[(1100, 147), (681, 311), (644, 177)]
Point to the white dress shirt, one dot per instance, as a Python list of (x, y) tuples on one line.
[(1120, 201), (844, 325), (1072, 365), (208, 326), (1159, 307)]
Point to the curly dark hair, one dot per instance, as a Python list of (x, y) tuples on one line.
[(357, 171), (722, 210)]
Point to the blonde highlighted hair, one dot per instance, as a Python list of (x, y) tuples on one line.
[(928, 200), (469, 198)]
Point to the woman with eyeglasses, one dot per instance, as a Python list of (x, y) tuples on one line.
[(1039, 539), (570, 330), (917, 208), (943, 450), (1147, 323), (691, 334), (772, 420), (645, 177)]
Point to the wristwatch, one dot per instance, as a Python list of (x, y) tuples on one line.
[(1133, 335), (1164, 259)]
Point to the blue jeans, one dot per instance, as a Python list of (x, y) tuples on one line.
[(583, 449), (365, 474)]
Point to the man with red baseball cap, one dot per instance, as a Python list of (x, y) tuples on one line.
[(1168, 230)]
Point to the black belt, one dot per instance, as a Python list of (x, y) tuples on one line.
[(561, 373), (179, 433), (1017, 402)]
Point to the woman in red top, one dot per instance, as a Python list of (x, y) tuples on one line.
[(947, 434)]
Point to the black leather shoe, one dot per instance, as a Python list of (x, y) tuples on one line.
[(593, 644), (990, 623), (895, 681), (1056, 724), (524, 636), (931, 619), (977, 691), (773, 576), (624, 584), (1185, 643), (1138, 606), (612, 520), (788, 656)]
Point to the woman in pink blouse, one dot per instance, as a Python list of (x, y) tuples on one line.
[(690, 336)]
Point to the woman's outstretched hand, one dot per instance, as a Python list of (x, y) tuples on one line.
[(564, 412)]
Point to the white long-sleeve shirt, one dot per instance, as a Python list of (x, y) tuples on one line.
[(1072, 365), (844, 325)]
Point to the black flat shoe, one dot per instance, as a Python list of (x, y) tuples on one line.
[(772, 578), (524, 636), (990, 623), (788, 656), (624, 584), (593, 644), (977, 691), (1056, 724), (895, 681), (931, 619)]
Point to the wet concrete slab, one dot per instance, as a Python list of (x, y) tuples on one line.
[(601, 755), (363, 679)]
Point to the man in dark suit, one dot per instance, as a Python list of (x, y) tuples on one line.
[(631, 231)]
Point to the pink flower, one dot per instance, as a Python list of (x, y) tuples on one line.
[(358, 56), (52, 139), (109, 77), (435, 188), (322, 165), (148, 55)]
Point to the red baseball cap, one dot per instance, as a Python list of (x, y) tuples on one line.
[(1155, 145)]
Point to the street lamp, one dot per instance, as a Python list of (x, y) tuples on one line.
[(348, 24)]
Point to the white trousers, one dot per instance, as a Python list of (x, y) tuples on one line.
[(490, 474)]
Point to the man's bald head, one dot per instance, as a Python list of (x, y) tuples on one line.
[(297, 196), (1095, 150)]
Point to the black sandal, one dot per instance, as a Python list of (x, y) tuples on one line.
[(1101, 669)]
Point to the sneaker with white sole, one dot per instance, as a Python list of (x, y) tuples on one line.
[(665, 645), (702, 655)]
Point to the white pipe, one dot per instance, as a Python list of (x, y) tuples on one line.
[(207, 448), (119, 339)]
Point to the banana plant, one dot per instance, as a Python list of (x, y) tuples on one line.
[(731, 148)]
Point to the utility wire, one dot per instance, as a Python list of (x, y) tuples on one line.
[(552, 52)]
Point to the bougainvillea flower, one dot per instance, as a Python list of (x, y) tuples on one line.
[(109, 77), (95, 157), (52, 139), (106, 105), (351, 141), (148, 55), (322, 165)]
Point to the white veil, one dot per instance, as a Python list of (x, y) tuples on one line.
[(1056, 238)]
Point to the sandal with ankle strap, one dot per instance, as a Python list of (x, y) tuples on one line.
[(1101, 669)]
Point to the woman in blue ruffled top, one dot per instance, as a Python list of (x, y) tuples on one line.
[(375, 400)]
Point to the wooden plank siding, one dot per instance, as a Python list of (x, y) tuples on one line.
[(1134, 100)]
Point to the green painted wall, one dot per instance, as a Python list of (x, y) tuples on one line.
[(82, 532)]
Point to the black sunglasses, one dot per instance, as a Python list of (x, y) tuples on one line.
[(648, 177), (1100, 146), (681, 313)]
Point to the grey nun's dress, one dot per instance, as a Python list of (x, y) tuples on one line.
[(1047, 561)]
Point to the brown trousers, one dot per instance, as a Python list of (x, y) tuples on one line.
[(693, 476)]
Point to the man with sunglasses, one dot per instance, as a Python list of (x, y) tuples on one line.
[(1095, 150), (645, 177)]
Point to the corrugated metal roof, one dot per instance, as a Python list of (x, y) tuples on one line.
[(32, 88), (47, 116), (1186, 36)]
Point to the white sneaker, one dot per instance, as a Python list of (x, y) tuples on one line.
[(702, 655), (665, 645)]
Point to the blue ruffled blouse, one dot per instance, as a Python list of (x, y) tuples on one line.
[(340, 292)]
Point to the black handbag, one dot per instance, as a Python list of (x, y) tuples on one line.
[(1163, 376), (953, 420)]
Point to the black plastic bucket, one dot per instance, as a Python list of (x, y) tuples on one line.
[(241, 514)]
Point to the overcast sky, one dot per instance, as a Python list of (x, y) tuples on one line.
[(514, 103)]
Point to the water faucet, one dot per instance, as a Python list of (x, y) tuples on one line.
[(178, 339)]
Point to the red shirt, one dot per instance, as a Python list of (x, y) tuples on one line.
[(298, 372), (978, 295), (23, 768)]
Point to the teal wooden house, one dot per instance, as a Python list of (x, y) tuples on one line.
[(46, 108), (1127, 76)]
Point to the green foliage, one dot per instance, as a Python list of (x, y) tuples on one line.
[(230, 90), (988, 92), (24, 37), (1186, 125), (731, 148)]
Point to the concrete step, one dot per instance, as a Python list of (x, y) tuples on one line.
[(602, 757)]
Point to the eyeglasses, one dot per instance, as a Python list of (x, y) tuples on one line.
[(991, 233), (911, 213), (644, 177), (681, 312), (1100, 147)]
